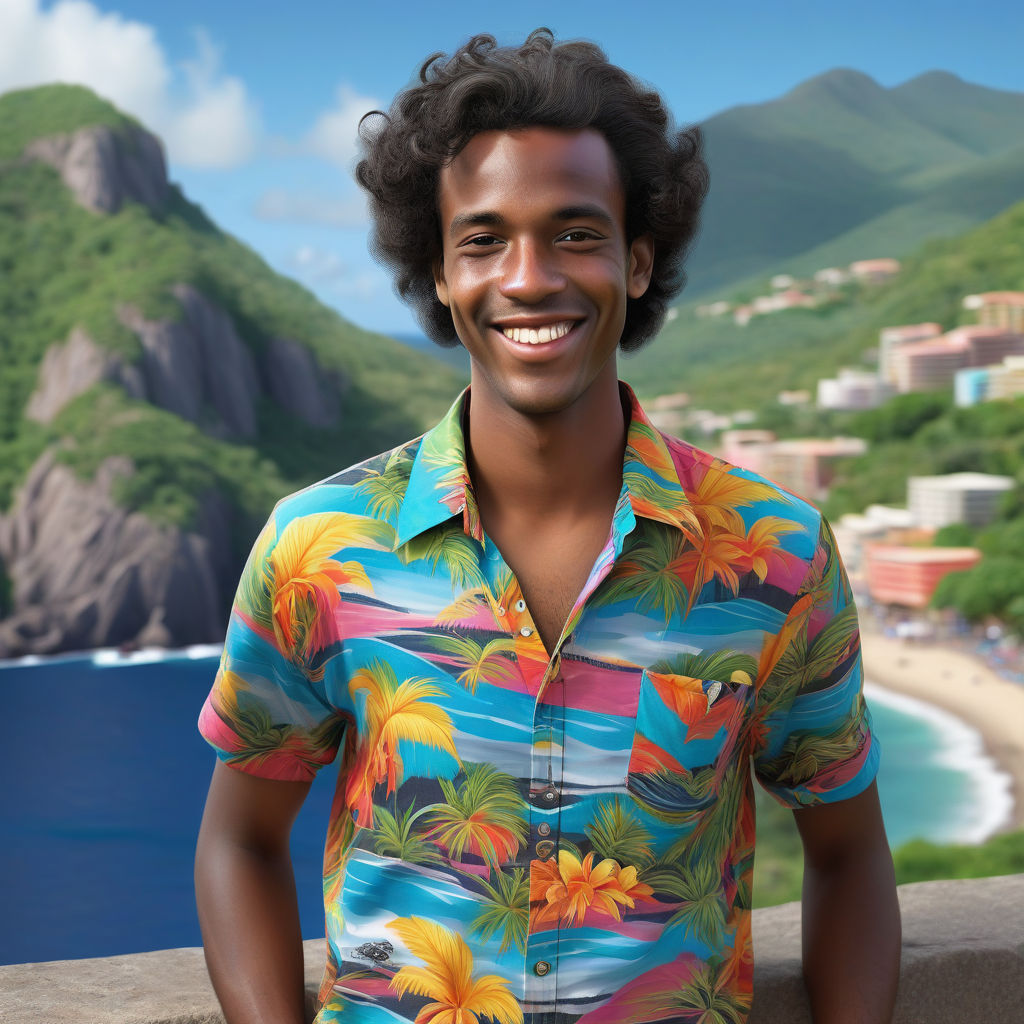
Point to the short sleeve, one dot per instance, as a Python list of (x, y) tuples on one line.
[(812, 736), (267, 714)]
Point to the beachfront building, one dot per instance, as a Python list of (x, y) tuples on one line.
[(852, 390), (891, 338), (668, 412), (798, 396), (1007, 379), (854, 531), (990, 383), (832, 277), (803, 465), (970, 386), (747, 448), (929, 365), (970, 498), (907, 576), (875, 271), (806, 465), (998, 309)]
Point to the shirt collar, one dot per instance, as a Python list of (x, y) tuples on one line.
[(439, 486)]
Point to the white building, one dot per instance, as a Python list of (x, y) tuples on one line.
[(853, 390), (970, 498)]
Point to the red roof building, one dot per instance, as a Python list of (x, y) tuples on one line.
[(908, 576)]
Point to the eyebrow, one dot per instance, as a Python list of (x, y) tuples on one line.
[(489, 218)]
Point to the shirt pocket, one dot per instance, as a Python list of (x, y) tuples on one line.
[(688, 733)]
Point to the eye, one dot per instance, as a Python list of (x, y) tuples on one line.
[(580, 235), (482, 240)]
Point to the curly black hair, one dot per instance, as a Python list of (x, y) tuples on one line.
[(485, 87)]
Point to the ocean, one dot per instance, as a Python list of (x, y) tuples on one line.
[(106, 777)]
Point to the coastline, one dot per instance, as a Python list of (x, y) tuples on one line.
[(963, 686)]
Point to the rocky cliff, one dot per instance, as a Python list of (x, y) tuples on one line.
[(218, 362), (85, 573)]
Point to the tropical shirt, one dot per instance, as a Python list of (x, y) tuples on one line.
[(524, 835)]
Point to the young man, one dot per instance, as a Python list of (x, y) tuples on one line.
[(549, 640)]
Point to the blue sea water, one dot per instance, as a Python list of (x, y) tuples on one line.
[(104, 778)]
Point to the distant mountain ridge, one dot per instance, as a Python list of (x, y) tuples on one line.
[(842, 168), (160, 388)]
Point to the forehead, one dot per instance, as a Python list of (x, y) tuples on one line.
[(530, 169)]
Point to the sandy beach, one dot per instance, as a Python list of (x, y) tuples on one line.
[(961, 685)]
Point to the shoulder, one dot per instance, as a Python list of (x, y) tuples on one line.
[(373, 488), (711, 482)]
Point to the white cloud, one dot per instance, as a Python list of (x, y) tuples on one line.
[(335, 135), (205, 117), (278, 204), (328, 270)]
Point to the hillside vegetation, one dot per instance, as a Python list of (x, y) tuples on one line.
[(726, 367), (62, 266)]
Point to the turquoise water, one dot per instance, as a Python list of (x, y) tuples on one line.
[(105, 776), (935, 781)]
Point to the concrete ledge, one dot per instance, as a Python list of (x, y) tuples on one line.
[(963, 961)]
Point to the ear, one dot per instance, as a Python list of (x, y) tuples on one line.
[(440, 285), (641, 265)]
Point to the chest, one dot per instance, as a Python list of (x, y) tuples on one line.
[(552, 568)]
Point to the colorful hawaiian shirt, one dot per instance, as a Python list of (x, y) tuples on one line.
[(530, 835)]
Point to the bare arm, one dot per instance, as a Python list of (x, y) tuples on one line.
[(245, 894), (851, 918)]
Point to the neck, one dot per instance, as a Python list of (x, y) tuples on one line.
[(563, 464)]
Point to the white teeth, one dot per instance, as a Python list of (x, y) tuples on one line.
[(529, 336)]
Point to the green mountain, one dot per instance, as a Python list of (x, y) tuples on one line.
[(160, 387), (841, 168)]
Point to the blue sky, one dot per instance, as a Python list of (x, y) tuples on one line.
[(257, 101)]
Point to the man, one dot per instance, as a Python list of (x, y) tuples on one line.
[(549, 640)]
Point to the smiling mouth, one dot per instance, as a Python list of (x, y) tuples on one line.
[(538, 335)]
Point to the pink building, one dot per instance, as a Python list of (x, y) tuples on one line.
[(999, 309), (875, 271), (927, 365), (890, 339), (908, 576), (747, 448)]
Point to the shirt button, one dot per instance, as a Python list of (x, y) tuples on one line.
[(544, 848), (520, 605), (541, 967), (544, 829), (549, 795), (501, 609), (526, 631), (461, 508)]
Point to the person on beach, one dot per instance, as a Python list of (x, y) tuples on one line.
[(551, 643)]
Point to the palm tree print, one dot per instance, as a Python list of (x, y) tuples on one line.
[(306, 576), (448, 546), (484, 816), (699, 893), (386, 488), (446, 978), (617, 834), (397, 838), (479, 661), (392, 712), (506, 909), (705, 998)]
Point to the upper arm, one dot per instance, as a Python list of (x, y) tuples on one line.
[(831, 832), (250, 811)]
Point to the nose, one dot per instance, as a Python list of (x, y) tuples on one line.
[(531, 272)]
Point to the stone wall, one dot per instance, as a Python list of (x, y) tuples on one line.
[(963, 963)]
